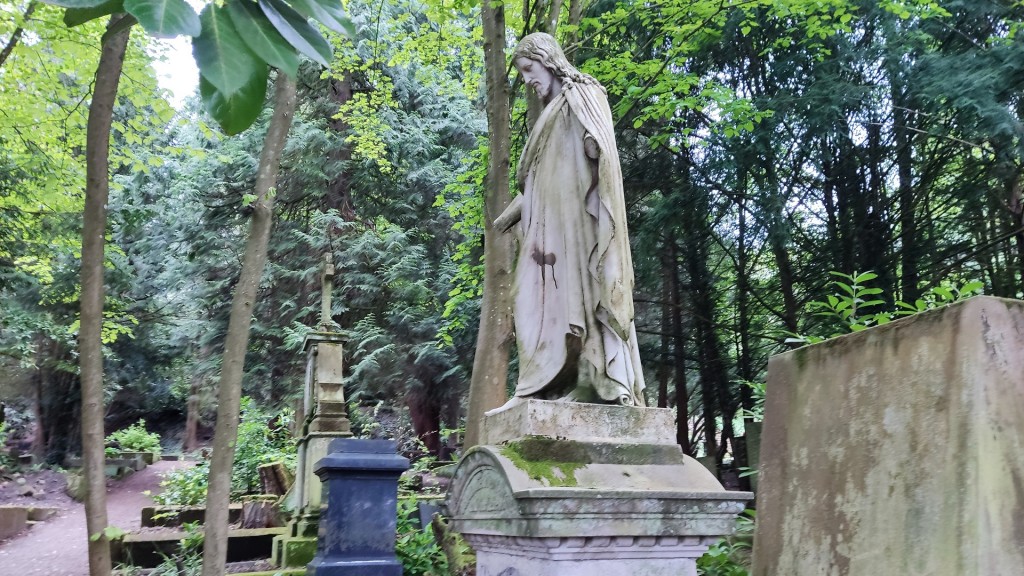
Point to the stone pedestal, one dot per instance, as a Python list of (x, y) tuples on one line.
[(357, 530), (898, 450), (325, 418), (568, 488)]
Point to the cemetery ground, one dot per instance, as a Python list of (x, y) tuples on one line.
[(57, 546)]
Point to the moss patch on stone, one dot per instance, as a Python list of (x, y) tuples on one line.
[(544, 462)]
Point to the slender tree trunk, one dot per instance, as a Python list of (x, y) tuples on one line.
[(190, 442), (230, 389), (679, 357), (90, 353), (909, 242), (664, 372), (490, 365), (339, 196), (16, 35), (1016, 205)]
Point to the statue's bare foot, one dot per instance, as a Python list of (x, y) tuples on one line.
[(513, 402)]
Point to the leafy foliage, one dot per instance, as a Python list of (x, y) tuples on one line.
[(262, 438), (233, 66), (184, 486), (415, 545), (846, 308), (730, 556), (134, 438)]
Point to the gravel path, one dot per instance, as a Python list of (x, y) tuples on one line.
[(58, 546)]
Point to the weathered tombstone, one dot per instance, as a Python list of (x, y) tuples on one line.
[(898, 450), (357, 530), (325, 418), (582, 489)]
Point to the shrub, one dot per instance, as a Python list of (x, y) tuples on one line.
[(184, 486), (730, 556), (262, 438), (134, 438), (415, 545), (5, 459)]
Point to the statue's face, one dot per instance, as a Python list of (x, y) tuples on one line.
[(546, 84)]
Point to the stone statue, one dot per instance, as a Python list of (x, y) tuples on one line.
[(574, 275)]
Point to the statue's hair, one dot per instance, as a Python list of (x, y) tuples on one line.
[(544, 48)]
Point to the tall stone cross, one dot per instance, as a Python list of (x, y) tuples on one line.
[(326, 285)]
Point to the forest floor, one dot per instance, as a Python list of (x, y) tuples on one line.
[(58, 546)]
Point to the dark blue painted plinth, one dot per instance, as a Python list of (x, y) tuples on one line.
[(357, 529)]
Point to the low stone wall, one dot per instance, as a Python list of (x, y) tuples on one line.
[(147, 550), (178, 515)]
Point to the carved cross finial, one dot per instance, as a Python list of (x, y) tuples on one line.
[(326, 285)]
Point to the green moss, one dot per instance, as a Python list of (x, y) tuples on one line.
[(297, 551), (541, 463)]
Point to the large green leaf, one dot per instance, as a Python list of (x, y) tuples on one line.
[(221, 54), (76, 16), (236, 111), (297, 31), (328, 12), (75, 3), (165, 18), (261, 36)]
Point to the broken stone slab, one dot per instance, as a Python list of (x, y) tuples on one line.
[(897, 450)]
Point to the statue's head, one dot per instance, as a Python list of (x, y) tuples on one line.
[(545, 49)]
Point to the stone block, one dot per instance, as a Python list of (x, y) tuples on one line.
[(578, 421), (293, 552), (897, 450), (589, 556), (357, 529), (41, 513), (13, 519)]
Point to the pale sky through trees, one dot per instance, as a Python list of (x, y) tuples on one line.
[(177, 72)]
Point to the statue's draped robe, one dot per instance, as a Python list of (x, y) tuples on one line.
[(574, 276)]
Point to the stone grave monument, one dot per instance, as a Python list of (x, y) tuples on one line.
[(898, 450), (325, 418), (575, 477)]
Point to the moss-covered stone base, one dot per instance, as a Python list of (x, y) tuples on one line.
[(293, 552)]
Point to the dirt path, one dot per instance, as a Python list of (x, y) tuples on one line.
[(58, 547)]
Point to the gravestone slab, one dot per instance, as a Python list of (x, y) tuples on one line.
[(898, 450)]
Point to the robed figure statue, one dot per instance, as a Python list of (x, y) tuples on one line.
[(573, 284)]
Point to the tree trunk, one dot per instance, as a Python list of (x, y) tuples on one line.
[(90, 347), (18, 32), (191, 440), (664, 366), (339, 189), (490, 365), (910, 252), (679, 357), (237, 339)]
